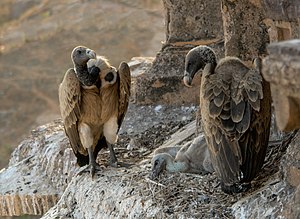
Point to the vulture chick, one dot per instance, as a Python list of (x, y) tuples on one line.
[(82, 107), (235, 104), (190, 158)]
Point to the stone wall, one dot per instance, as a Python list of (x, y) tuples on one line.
[(281, 68), (245, 33), (187, 24)]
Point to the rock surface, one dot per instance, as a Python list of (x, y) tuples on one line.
[(42, 172), (39, 170), (281, 68), (187, 24), (245, 34), (36, 39), (279, 198), (43, 164)]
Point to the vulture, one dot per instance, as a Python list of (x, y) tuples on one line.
[(190, 158), (93, 99), (235, 105)]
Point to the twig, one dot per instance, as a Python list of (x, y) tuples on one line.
[(155, 183)]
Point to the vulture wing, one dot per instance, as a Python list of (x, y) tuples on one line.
[(236, 135), (124, 90), (69, 102)]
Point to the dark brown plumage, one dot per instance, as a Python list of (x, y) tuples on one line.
[(92, 109), (235, 105)]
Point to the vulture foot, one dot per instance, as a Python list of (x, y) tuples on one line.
[(236, 188), (89, 168), (120, 164)]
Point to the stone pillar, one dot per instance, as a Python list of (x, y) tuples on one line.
[(188, 23), (281, 68), (245, 33), (281, 18)]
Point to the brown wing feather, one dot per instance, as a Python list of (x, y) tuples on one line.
[(124, 90), (69, 102), (238, 134)]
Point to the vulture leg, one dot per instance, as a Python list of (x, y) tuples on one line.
[(113, 158), (110, 130), (92, 162), (86, 137)]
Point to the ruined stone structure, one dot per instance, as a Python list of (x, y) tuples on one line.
[(281, 67), (38, 173), (245, 33), (187, 24)]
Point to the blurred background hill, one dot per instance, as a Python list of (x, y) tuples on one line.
[(36, 39)]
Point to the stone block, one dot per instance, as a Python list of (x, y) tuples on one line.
[(282, 69), (192, 20), (162, 82), (284, 10), (39, 171), (245, 33), (187, 24)]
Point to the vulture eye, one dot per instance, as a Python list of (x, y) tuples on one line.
[(156, 162), (79, 52), (109, 77)]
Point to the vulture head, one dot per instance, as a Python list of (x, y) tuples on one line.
[(81, 55), (158, 164), (195, 60)]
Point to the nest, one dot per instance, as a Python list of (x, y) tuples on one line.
[(183, 195)]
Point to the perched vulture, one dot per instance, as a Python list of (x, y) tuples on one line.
[(93, 101), (235, 104), (190, 158)]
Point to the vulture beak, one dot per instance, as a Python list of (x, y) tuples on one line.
[(91, 54), (154, 174), (187, 79), (158, 165)]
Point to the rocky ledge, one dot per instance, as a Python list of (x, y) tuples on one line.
[(41, 178)]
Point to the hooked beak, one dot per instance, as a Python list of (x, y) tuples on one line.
[(187, 79), (155, 171), (154, 174), (91, 54)]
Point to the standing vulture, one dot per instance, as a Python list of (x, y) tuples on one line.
[(93, 102), (235, 104)]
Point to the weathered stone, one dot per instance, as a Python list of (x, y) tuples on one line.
[(192, 20), (279, 198), (109, 195), (245, 33), (162, 83), (43, 164), (45, 160), (39, 171), (282, 69), (285, 10), (187, 24)]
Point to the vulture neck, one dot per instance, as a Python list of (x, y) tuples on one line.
[(175, 166), (82, 72), (207, 55)]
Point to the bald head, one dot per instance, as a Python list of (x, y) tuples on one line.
[(81, 55)]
